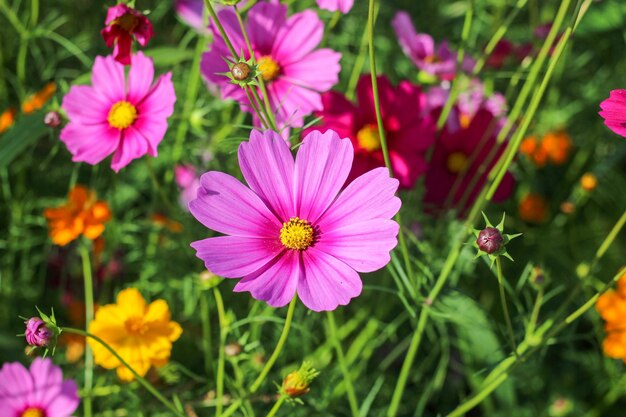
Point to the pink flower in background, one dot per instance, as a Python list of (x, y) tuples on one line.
[(126, 118), (458, 158), (293, 231), (40, 391), (343, 6), (191, 12), (439, 61), (614, 112), (188, 182), (409, 130), (294, 71), (122, 23)]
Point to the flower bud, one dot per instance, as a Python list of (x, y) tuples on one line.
[(297, 383), (588, 182), (232, 349), (52, 119), (490, 240), (240, 71), (37, 332)]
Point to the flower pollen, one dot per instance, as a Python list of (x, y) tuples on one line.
[(456, 162), (135, 326), (297, 234), (369, 137), (122, 115), (33, 412), (269, 68)]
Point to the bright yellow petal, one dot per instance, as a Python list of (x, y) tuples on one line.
[(131, 302), (158, 310)]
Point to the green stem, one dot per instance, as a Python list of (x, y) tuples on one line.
[(220, 28), (206, 334), (88, 283), (232, 408), (610, 237), (347, 378), (505, 310), (359, 63), (221, 314), (279, 347), (277, 405), (141, 380)]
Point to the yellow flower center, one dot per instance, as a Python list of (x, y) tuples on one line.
[(369, 138), (122, 115), (456, 162), (135, 326), (269, 68), (297, 234), (465, 120), (33, 412), (127, 21)]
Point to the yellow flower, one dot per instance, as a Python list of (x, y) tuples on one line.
[(141, 334), (612, 307)]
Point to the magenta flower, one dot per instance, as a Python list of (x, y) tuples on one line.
[(439, 61), (614, 112), (409, 129), (122, 24), (37, 333), (192, 12), (343, 6), (188, 182), (126, 118), (38, 392), (292, 231), (294, 71)]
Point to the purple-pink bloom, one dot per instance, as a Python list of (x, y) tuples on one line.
[(119, 116), (439, 61), (343, 6), (293, 231), (188, 182), (294, 71), (38, 391), (122, 23), (614, 112), (37, 333), (192, 12)]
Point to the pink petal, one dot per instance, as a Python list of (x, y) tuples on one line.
[(322, 166), (364, 246), (264, 21), (140, 77), (108, 80), (370, 196), (48, 379), (267, 165), (317, 71), (123, 48), (229, 21), (227, 206), (85, 106), (234, 256), (159, 101), (343, 6), (66, 401), (16, 385), (132, 146), (90, 143), (327, 282), (292, 103), (276, 282), (298, 37)]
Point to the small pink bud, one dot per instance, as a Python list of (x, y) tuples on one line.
[(52, 119), (490, 240), (37, 332)]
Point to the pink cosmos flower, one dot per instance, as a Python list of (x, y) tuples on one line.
[(192, 12), (188, 182), (40, 391), (122, 24), (126, 118), (614, 112), (409, 129), (460, 163), (343, 6), (293, 231), (37, 333), (294, 71), (439, 61)]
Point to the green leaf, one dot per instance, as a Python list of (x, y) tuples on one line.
[(26, 131)]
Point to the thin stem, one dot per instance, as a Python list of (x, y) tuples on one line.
[(232, 408), (88, 284), (347, 378), (610, 237), (206, 334), (359, 62), (277, 405), (220, 28), (505, 310), (139, 378), (221, 314), (279, 347)]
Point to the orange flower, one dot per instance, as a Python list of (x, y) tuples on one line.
[(7, 118), (533, 208), (39, 99), (588, 182), (529, 146), (612, 308), (558, 146), (82, 214)]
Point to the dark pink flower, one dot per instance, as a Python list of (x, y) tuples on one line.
[(439, 61), (122, 23), (37, 332), (614, 112), (408, 127), (293, 231), (294, 71), (501, 53), (460, 163)]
